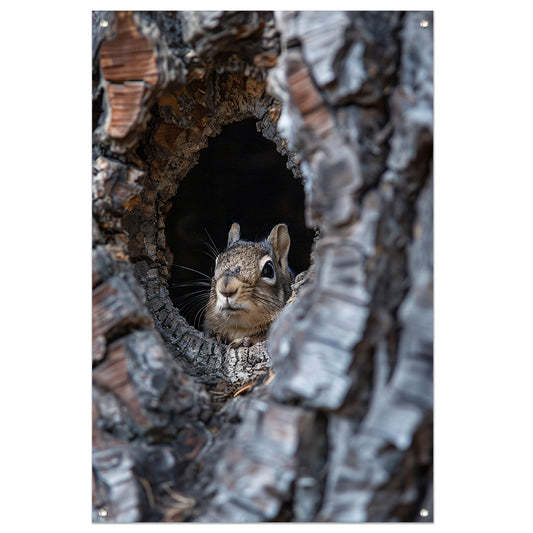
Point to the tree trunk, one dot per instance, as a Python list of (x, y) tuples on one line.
[(330, 419)]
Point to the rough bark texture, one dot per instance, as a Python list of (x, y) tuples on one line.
[(331, 418)]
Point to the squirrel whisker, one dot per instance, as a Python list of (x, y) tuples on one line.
[(209, 254), (196, 283), (213, 246), (192, 270)]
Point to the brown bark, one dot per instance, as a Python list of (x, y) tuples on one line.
[(185, 429)]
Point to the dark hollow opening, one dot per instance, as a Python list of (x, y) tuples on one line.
[(240, 177)]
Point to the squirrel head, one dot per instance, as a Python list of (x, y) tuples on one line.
[(250, 286)]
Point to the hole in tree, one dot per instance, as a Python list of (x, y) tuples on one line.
[(240, 177)]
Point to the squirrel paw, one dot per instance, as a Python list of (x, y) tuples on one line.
[(237, 343), (247, 341)]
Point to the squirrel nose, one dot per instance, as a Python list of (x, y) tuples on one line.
[(228, 292)]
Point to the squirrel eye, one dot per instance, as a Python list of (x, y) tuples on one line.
[(268, 270)]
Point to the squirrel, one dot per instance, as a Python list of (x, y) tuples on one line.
[(250, 286)]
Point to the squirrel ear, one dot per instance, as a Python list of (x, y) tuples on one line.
[(281, 242), (234, 234)]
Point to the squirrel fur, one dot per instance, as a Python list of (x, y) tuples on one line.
[(250, 286)]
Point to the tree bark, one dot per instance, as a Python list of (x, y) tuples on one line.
[(330, 419)]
